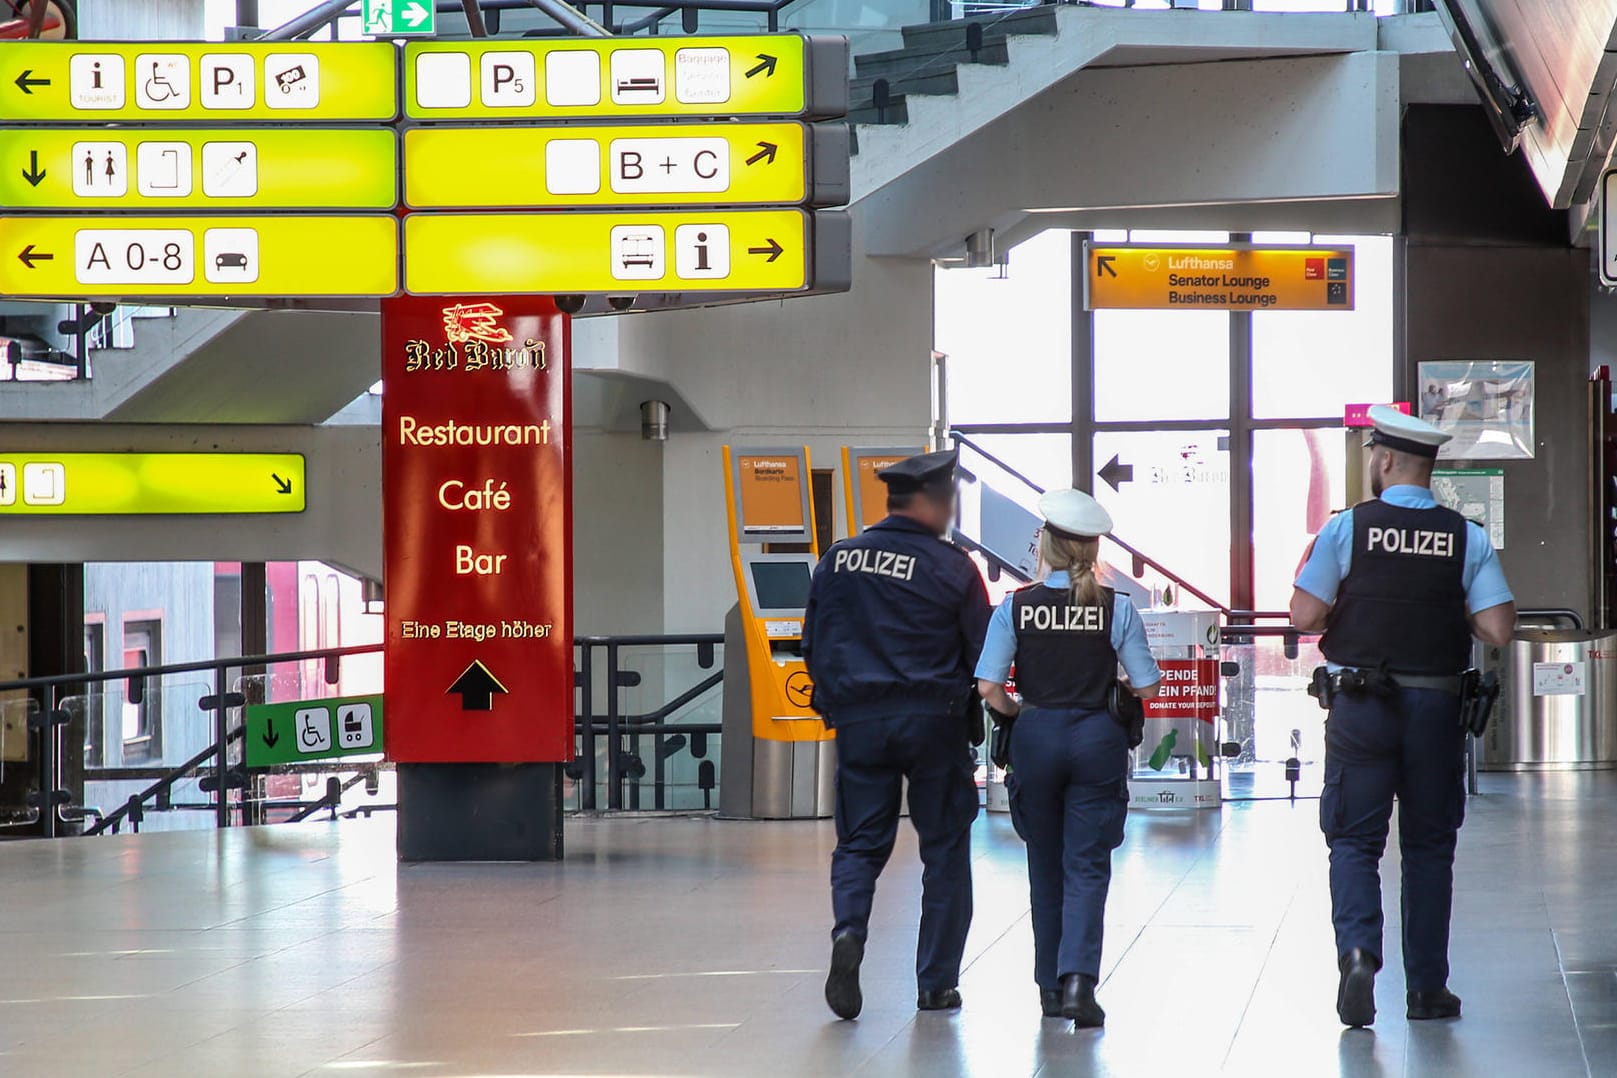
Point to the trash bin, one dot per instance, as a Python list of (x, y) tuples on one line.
[(1557, 703)]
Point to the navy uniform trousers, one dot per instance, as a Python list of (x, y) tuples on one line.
[(1409, 746), (873, 759), (1069, 795)]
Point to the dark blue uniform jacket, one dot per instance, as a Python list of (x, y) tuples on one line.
[(895, 622)]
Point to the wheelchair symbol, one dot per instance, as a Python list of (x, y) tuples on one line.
[(314, 730), (158, 88)]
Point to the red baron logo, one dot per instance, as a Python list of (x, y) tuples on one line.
[(474, 322)]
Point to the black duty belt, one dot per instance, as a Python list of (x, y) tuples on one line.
[(1450, 684)]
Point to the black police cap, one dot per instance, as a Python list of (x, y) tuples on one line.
[(927, 472)]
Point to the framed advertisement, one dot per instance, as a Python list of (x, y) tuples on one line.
[(1487, 405)]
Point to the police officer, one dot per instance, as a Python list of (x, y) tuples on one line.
[(894, 624), (1069, 759), (1399, 585)]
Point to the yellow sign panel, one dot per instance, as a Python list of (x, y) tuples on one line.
[(168, 81), (223, 169), (765, 75), (728, 164), (1219, 278), (121, 484), (119, 256), (620, 253)]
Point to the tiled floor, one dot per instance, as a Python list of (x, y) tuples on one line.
[(695, 947)]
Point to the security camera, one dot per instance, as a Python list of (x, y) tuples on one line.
[(570, 304), (620, 303)]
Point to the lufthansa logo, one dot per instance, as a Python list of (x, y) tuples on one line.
[(800, 689)]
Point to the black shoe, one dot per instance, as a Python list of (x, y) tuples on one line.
[(1424, 1006), (1356, 996), (1078, 1001), (947, 999), (842, 984), (1050, 1002)]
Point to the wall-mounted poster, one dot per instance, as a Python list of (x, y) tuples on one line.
[(1487, 405)]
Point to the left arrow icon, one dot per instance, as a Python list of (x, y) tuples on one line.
[(33, 173), (27, 84), (29, 256), (477, 688)]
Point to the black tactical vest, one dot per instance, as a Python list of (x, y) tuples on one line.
[(1064, 653), (1402, 603)]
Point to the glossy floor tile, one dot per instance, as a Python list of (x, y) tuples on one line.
[(690, 946)]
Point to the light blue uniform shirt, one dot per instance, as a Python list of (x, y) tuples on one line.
[(1128, 640), (1332, 556)]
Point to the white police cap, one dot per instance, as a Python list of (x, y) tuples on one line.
[(1405, 433), (1074, 514)]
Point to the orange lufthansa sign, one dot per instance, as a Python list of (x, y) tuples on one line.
[(771, 493), (1231, 278)]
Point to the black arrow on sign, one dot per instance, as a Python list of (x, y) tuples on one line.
[(282, 486), (271, 738), (1103, 266), (774, 250), (33, 173), (765, 63), (29, 256), (765, 149), (1116, 473), (26, 84), (477, 688)]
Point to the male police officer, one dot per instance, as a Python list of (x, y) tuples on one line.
[(895, 622), (1400, 585)]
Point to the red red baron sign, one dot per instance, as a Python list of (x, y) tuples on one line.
[(477, 512), (1189, 690)]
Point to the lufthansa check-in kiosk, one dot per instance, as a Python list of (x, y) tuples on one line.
[(865, 494), (779, 759)]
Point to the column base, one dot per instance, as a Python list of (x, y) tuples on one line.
[(480, 812)]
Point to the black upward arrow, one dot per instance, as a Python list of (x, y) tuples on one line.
[(282, 486), (29, 256), (477, 688), (33, 173), (766, 63), (1116, 473), (1103, 266), (765, 149), (774, 250), (26, 84), (271, 738)]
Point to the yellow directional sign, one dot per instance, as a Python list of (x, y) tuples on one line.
[(663, 165), (284, 255), (120, 484), (167, 81), (764, 75), (223, 169), (614, 253), (1234, 278)]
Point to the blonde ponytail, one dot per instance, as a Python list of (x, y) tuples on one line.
[(1078, 558)]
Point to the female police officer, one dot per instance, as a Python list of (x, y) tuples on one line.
[(1068, 758)]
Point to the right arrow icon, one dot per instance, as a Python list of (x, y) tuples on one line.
[(1116, 473), (774, 250)]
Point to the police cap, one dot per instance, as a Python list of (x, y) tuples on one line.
[(1073, 514), (1405, 433), (932, 473)]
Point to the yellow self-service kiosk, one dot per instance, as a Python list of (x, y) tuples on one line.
[(866, 494), (779, 759)]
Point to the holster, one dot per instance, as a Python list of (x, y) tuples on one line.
[(1322, 688), (975, 733), (1128, 710), (999, 740), (1478, 694)]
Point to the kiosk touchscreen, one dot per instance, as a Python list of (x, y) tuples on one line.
[(778, 762)]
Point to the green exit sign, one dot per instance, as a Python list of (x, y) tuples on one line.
[(313, 730), (393, 18)]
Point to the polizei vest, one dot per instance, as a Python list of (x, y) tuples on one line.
[(1402, 603), (1064, 653)]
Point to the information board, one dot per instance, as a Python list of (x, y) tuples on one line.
[(1233, 278), (619, 253), (308, 730), (771, 493), (97, 170), (477, 530), (304, 82), (116, 256), (124, 484)]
